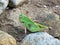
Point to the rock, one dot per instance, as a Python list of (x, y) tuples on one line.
[(40, 38), (6, 39), (3, 5), (51, 20), (47, 16), (16, 3), (10, 17)]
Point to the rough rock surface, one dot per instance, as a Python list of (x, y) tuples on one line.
[(6, 39), (40, 38), (3, 5), (49, 3)]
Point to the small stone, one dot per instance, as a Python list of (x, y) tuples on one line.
[(16, 3), (3, 5), (6, 39), (40, 38)]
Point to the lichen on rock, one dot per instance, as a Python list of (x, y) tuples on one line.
[(6, 39)]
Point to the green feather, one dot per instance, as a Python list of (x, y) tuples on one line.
[(30, 24)]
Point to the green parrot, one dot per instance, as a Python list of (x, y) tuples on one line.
[(30, 24)]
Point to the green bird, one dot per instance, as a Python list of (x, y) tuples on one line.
[(30, 24)]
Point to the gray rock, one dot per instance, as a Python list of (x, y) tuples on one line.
[(3, 5), (40, 38), (16, 3)]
